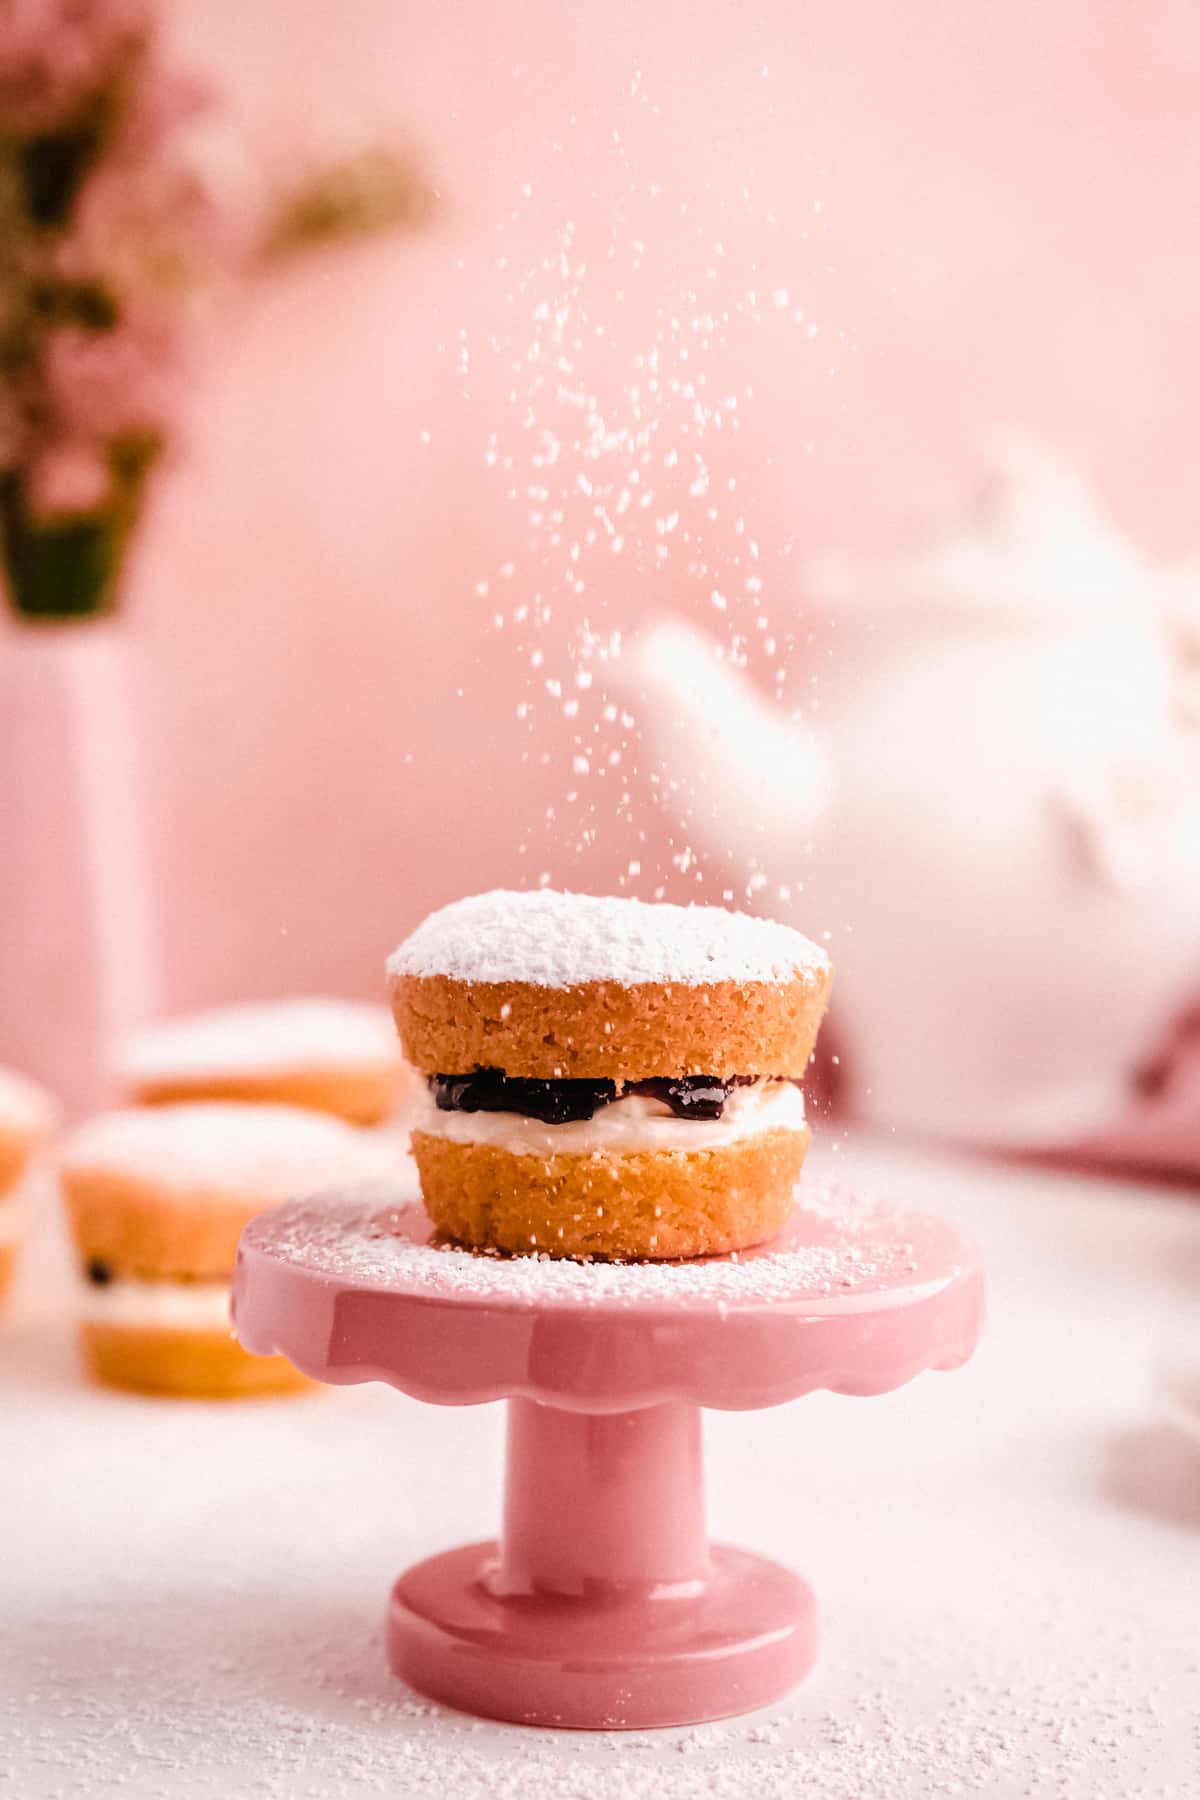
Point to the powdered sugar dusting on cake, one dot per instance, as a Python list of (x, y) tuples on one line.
[(559, 940), (277, 1151), (275, 1037), (840, 1248)]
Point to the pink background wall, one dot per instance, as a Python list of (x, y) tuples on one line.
[(989, 212)]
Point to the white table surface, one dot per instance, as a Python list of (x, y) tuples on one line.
[(1007, 1558)]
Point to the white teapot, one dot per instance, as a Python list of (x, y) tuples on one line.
[(992, 803)]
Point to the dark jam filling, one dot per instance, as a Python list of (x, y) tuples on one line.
[(99, 1272), (561, 1102)]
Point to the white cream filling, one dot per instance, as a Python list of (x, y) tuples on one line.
[(12, 1222), (186, 1305), (635, 1122)]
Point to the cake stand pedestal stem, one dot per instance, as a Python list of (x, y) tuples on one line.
[(603, 1605), (596, 1500)]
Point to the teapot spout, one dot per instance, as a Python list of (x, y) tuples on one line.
[(752, 784)]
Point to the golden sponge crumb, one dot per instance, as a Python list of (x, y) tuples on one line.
[(601, 1030), (652, 1204)]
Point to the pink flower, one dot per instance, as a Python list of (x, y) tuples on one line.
[(111, 384), (56, 54), (67, 480), (165, 214)]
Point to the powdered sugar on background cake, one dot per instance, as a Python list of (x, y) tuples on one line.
[(379, 1236), (278, 1151), (24, 1106), (559, 940), (279, 1036)]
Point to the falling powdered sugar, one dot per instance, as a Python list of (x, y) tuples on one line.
[(559, 940)]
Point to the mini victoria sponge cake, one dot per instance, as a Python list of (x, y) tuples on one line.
[(157, 1198), (607, 1078), (27, 1116), (335, 1056)]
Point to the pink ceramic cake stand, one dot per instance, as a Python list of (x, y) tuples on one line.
[(603, 1603)]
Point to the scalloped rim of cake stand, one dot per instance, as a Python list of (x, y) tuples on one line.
[(350, 1287)]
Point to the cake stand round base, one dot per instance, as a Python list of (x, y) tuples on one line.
[(610, 1658)]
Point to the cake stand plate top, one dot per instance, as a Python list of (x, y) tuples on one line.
[(853, 1296)]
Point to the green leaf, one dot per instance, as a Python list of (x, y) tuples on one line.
[(372, 190)]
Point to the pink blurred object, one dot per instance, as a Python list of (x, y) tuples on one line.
[(994, 803), (68, 478), (603, 1604), (1160, 1128), (106, 385), (69, 714)]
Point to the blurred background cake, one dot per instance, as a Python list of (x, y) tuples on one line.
[(27, 1115), (157, 1198), (335, 1056)]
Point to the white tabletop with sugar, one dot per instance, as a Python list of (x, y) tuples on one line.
[(1005, 1557)]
